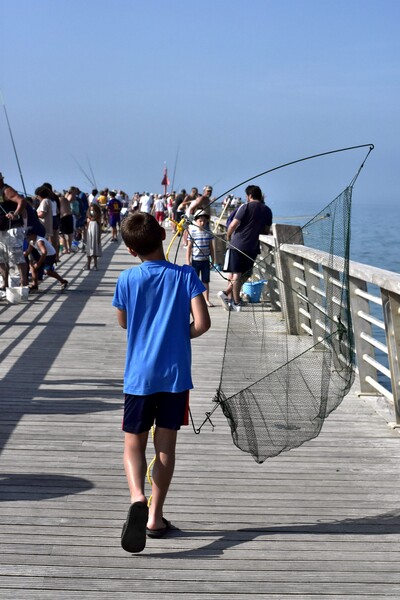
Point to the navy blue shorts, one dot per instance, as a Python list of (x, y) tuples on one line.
[(202, 268), (236, 262), (114, 220), (165, 409)]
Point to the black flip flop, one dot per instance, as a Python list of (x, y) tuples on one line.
[(133, 538), (160, 533)]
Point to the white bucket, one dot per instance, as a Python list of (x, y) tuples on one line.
[(13, 295)]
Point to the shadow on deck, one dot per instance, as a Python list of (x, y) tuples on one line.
[(321, 521)]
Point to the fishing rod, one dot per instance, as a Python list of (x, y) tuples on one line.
[(13, 143), (173, 175), (83, 171), (91, 170), (294, 162)]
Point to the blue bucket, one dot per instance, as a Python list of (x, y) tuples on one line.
[(253, 290)]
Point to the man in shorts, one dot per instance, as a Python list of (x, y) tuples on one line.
[(250, 220), (162, 307), (114, 207)]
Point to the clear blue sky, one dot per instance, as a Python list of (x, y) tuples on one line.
[(219, 89)]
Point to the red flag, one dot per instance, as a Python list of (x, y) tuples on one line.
[(165, 180)]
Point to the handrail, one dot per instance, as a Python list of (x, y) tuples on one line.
[(374, 305), (373, 275)]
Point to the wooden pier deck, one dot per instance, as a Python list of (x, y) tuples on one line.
[(320, 522)]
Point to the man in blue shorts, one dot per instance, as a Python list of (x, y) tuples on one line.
[(154, 302), (114, 207)]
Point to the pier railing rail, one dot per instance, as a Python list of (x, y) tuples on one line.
[(374, 304)]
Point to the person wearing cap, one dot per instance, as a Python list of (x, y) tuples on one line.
[(12, 211), (201, 202), (200, 250)]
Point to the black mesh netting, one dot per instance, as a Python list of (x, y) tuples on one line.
[(288, 358)]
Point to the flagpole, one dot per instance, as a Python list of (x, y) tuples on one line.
[(165, 180)]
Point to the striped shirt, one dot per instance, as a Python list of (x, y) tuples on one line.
[(201, 239)]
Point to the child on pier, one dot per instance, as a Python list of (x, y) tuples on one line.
[(47, 258), (154, 302), (200, 250), (93, 235)]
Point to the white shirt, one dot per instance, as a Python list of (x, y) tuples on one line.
[(145, 204), (159, 206)]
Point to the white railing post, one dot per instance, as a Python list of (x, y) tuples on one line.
[(391, 314), (360, 305), (290, 234), (313, 279)]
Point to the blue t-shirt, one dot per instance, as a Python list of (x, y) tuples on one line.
[(156, 296)]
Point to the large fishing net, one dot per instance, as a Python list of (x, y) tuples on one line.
[(288, 359)]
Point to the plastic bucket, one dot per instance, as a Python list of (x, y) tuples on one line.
[(13, 295), (253, 290)]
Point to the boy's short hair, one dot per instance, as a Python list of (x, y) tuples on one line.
[(141, 233)]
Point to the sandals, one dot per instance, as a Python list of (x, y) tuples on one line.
[(133, 537), (160, 533)]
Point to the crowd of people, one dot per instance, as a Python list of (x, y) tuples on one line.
[(35, 231)]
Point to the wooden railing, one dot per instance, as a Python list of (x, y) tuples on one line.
[(374, 303)]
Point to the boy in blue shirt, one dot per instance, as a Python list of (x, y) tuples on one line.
[(154, 302)]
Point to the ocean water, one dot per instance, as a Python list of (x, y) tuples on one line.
[(375, 238)]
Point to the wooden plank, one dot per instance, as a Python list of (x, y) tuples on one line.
[(321, 521)]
